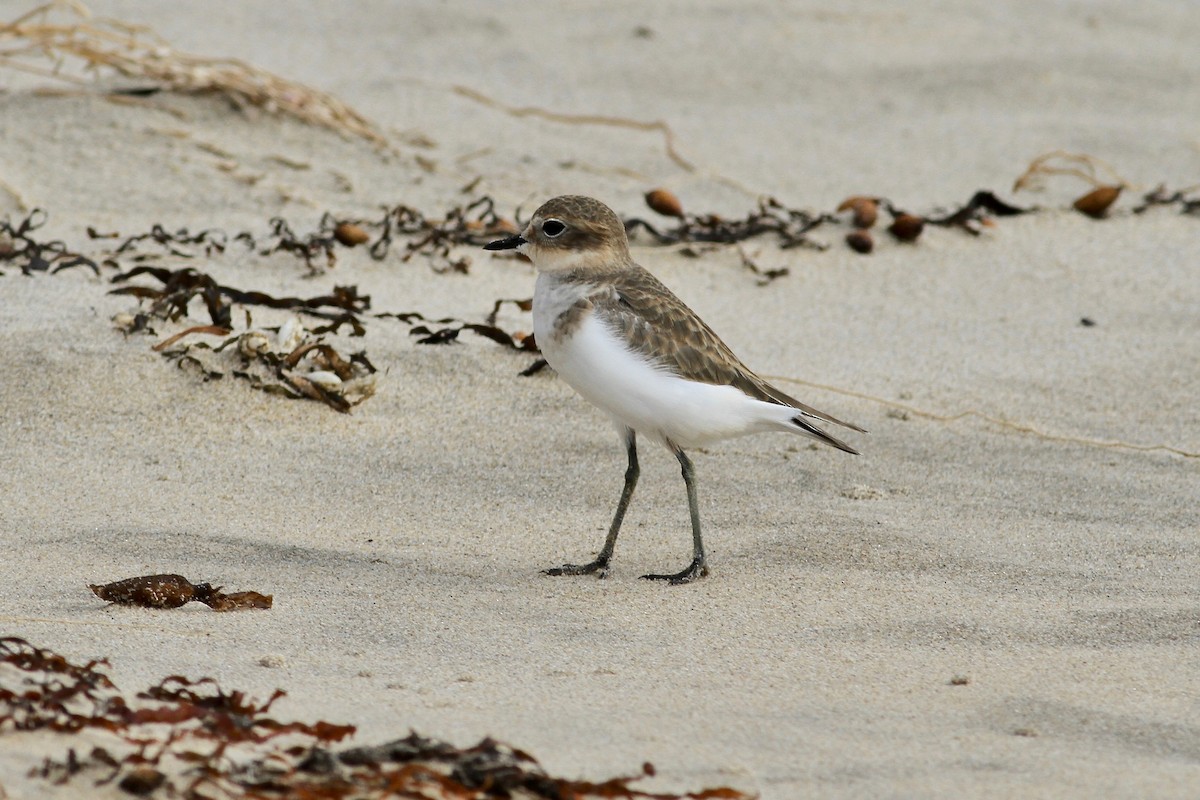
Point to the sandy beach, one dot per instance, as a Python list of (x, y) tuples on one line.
[(998, 598)]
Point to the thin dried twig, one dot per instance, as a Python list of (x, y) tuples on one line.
[(1060, 162), (582, 119)]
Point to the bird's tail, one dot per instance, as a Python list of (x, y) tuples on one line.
[(803, 426)]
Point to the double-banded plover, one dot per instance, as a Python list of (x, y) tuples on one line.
[(626, 343)]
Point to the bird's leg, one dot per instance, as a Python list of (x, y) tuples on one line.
[(698, 568), (600, 565)]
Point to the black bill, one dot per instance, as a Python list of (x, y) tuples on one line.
[(511, 243)]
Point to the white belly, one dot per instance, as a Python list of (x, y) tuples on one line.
[(640, 395)]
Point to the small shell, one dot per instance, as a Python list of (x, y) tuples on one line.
[(1096, 202), (252, 343), (665, 203), (291, 334), (123, 320), (350, 234), (324, 379), (866, 210), (907, 227), (860, 241)]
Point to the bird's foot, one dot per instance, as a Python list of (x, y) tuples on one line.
[(697, 569), (599, 567)]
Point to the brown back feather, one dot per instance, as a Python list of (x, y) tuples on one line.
[(658, 324)]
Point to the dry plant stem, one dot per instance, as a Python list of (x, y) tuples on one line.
[(582, 119), (1004, 423), (136, 52), (1083, 166), (22, 206)]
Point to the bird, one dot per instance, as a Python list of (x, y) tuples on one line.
[(631, 347)]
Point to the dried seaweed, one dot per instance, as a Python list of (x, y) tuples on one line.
[(316, 249), (790, 225), (52, 693), (212, 239), (971, 216), (181, 286), (473, 224), (525, 304), (30, 255), (183, 243), (523, 342), (311, 368), (289, 360), (765, 276), (328, 377), (192, 739), (237, 601), (309, 247), (477, 222), (1161, 196), (793, 227), (214, 330), (452, 327), (534, 368), (174, 591)]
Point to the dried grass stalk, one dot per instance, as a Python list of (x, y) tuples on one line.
[(135, 51), (1060, 162)]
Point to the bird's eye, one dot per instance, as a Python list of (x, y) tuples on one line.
[(553, 228)]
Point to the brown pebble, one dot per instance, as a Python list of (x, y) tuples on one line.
[(665, 203), (1096, 202), (860, 241), (959, 680), (142, 781), (865, 209), (350, 234), (906, 227)]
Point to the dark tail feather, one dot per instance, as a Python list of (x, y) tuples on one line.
[(821, 436)]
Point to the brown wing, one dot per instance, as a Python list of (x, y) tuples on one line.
[(658, 324)]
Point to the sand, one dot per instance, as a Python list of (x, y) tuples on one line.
[(1002, 524)]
